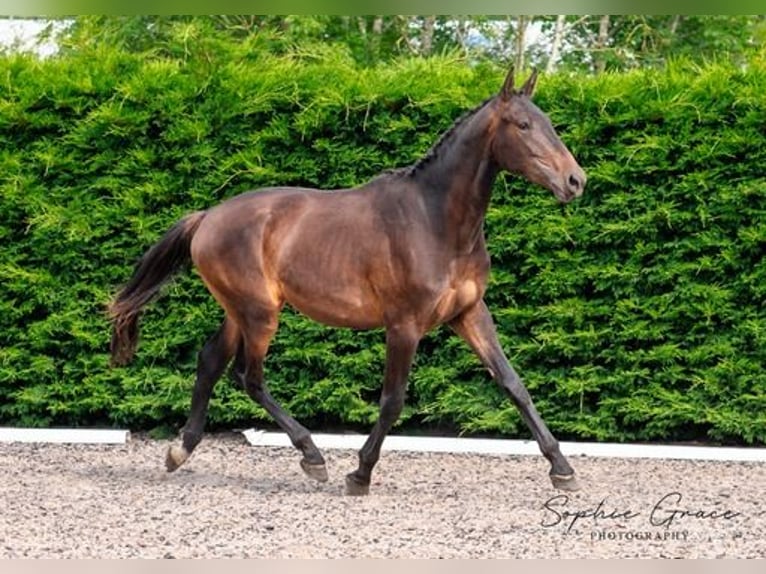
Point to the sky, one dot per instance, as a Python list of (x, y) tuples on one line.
[(21, 32)]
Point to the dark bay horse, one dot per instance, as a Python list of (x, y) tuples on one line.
[(405, 251)]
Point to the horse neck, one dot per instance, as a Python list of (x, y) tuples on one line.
[(456, 180)]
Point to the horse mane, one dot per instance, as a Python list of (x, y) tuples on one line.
[(412, 169), (433, 152)]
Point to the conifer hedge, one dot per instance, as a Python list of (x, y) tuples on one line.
[(635, 313)]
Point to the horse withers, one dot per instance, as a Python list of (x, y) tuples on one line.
[(404, 251)]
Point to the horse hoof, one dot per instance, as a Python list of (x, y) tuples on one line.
[(356, 488), (315, 471), (175, 457), (565, 482)]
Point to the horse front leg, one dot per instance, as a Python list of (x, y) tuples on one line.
[(476, 327), (401, 344)]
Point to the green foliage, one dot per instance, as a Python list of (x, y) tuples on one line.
[(647, 40), (635, 313), (590, 43)]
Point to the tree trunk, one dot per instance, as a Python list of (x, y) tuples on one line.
[(601, 43), (558, 38), (520, 41), (427, 36), (376, 38), (377, 25), (674, 25)]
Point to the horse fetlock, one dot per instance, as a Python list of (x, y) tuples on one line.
[(176, 456), (356, 486), (302, 441)]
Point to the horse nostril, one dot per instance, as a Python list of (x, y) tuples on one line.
[(575, 182)]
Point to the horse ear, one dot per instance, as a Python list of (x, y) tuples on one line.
[(529, 86), (507, 90)]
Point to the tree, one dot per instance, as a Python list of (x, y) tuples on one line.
[(618, 42), (556, 40), (602, 41), (588, 43)]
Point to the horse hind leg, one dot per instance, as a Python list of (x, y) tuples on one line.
[(238, 366), (248, 367), (211, 362)]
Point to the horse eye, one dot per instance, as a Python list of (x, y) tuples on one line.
[(524, 126)]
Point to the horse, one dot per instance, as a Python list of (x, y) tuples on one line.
[(404, 251)]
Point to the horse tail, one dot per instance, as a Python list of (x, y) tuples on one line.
[(154, 269)]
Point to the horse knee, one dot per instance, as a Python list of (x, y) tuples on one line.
[(391, 405)]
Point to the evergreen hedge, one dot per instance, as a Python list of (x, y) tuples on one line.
[(635, 313)]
